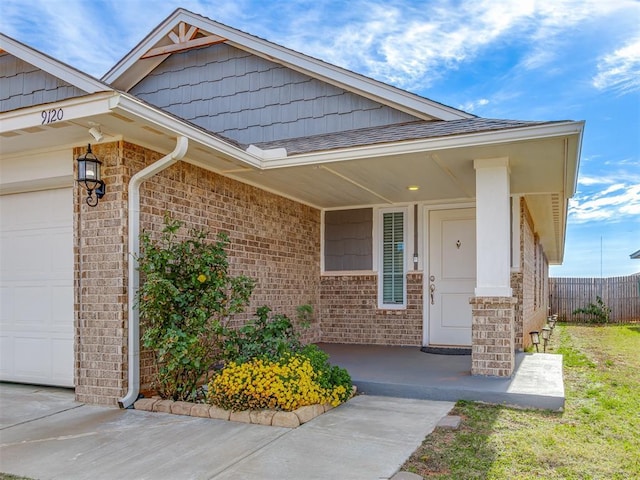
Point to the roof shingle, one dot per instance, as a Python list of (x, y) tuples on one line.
[(394, 133)]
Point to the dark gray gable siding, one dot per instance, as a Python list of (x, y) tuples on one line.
[(249, 99), (23, 85)]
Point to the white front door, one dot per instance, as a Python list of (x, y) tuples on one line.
[(451, 278)]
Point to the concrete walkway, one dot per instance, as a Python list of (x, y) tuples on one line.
[(45, 434), (407, 372)]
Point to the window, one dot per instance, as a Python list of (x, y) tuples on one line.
[(393, 231), (348, 240)]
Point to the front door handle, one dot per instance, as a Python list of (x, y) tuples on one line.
[(432, 289)]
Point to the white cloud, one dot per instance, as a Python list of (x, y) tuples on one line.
[(620, 70), (611, 189), (472, 105), (588, 181), (413, 46), (614, 203), (407, 45), (404, 43)]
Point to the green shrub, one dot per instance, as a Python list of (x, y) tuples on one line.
[(596, 312), (265, 337), (329, 376), (305, 314), (186, 296)]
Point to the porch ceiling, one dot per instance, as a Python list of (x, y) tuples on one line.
[(537, 167)]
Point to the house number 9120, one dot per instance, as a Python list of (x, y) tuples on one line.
[(50, 116)]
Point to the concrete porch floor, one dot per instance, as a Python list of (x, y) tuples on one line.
[(407, 372)]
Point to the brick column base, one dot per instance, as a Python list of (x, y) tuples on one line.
[(493, 336)]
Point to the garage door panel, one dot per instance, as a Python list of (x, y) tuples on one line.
[(36, 283), (31, 304), (29, 353), (61, 306), (61, 255), (61, 361), (6, 309), (6, 356), (45, 252)]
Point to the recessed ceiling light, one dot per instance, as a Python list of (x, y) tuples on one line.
[(413, 188)]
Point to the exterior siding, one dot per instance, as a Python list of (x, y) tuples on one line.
[(250, 99), (100, 284), (534, 302), (492, 349), (273, 240), (349, 312), (23, 85), (519, 332)]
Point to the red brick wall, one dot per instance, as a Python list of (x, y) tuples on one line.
[(349, 313), (100, 260), (492, 349), (518, 325), (273, 240), (535, 278)]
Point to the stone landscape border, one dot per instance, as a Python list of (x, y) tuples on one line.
[(275, 418)]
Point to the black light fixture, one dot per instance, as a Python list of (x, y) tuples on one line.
[(552, 322), (535, 339), (89, 176)]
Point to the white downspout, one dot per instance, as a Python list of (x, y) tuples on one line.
[(133, 364)]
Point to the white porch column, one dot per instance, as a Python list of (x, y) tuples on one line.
[(493, 224)]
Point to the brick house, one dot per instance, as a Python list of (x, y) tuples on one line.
[(402, 221)]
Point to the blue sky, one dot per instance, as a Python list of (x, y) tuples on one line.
[(526, 60)]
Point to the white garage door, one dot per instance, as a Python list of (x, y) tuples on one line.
[(36, 284)]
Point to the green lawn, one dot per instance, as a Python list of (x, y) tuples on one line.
[(596, 437)]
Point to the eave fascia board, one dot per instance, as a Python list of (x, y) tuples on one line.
[(54, 67), (73, 108), (571, 186), (428, 144), (130, 104), (113, 76), (380, 92)]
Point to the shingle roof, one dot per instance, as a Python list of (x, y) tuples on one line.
[(394, 133)]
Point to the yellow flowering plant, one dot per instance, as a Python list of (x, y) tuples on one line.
[(286, 384)]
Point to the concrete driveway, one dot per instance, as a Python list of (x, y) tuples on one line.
[(45, 434)]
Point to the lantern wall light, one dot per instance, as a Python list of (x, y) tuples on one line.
[(89, 176)]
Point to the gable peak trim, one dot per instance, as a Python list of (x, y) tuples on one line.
[(182, 39)]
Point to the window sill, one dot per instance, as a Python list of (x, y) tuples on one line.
[(348, 273)]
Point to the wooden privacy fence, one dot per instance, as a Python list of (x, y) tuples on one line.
[(620, 294)]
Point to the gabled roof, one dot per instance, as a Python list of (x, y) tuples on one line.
[(183, 30), (349, 169), (395, 133), (52, 66)]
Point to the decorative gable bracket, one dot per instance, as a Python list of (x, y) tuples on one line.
[(184, 40)]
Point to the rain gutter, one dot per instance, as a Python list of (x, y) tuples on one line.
[(133, 363)]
